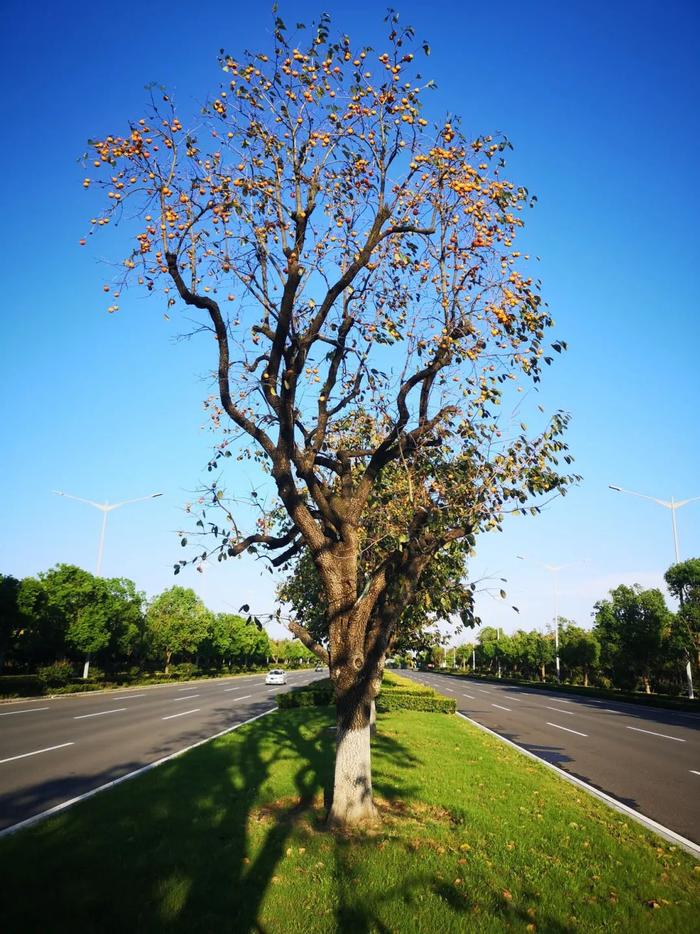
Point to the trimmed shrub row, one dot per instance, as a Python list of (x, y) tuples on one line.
[(304, 699), (21, 686), (395, 695), (399, 700)]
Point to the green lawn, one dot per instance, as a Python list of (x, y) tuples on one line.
[(230, 837)]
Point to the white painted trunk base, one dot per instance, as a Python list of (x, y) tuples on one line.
[(352, 789)]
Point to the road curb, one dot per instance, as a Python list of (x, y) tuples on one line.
[(133, 687), (669, 835), (64, 805)]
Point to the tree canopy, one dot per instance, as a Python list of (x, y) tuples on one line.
[(357, 266), (178, 622)]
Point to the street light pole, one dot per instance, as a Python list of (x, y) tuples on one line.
[(673, 505), (554, 569), (105, 509)]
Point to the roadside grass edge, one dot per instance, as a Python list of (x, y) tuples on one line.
[(669, 835)]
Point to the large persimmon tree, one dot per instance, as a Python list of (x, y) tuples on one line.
[(357, 268)]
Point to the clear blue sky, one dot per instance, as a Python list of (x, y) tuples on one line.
[(600, 100)]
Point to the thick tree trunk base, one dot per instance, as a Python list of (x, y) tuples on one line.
[(352, 789)]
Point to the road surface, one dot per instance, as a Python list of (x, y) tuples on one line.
[(647, 758), (54, 750)]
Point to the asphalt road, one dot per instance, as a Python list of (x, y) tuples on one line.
[(645, 757), (54, 750)]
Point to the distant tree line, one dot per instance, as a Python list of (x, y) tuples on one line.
[(69, 614), (636, 643)]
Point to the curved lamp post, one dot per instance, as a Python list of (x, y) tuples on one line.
[(105, 509), (673, 505)]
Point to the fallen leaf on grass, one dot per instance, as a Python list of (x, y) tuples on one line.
[(652, 903), (507, 895)]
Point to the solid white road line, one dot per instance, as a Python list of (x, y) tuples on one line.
[(245, 697), (557, 700), (484, 692), (31, 710), (84, 716), (694, 772), (648, 822), (36, 752), (187, 697), (449, 689), (470, 696), (64, 805), (226, 690), (566, 728), (651, 733), (130, 696), (184, 689), (559, 710), (500, 707), (183, 714)]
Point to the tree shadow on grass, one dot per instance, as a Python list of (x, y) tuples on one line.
[(192, 846), (387, 909)]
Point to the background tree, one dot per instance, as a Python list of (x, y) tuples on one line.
[(683, 580), (232, 639), (10, 616), (464, 655), (631, 628), (380, 290), (88, 615), (178, 622), (579, 650), (80, 600)]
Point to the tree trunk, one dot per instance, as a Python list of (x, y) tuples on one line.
[(645, 682), (86, 667), (352, 785), (373, 718), (585, 677), (168, 657), (542, 672)]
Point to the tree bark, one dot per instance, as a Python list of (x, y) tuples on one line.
[(352, 785), (645, 682)]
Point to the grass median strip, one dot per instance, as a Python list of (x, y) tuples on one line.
[(230, 837)]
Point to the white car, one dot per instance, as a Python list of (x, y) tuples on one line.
[(276, 676)]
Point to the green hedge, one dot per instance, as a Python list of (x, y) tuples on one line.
[(396, 700), (21, 686), (305, 699), (395, 695), (394, 683)]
